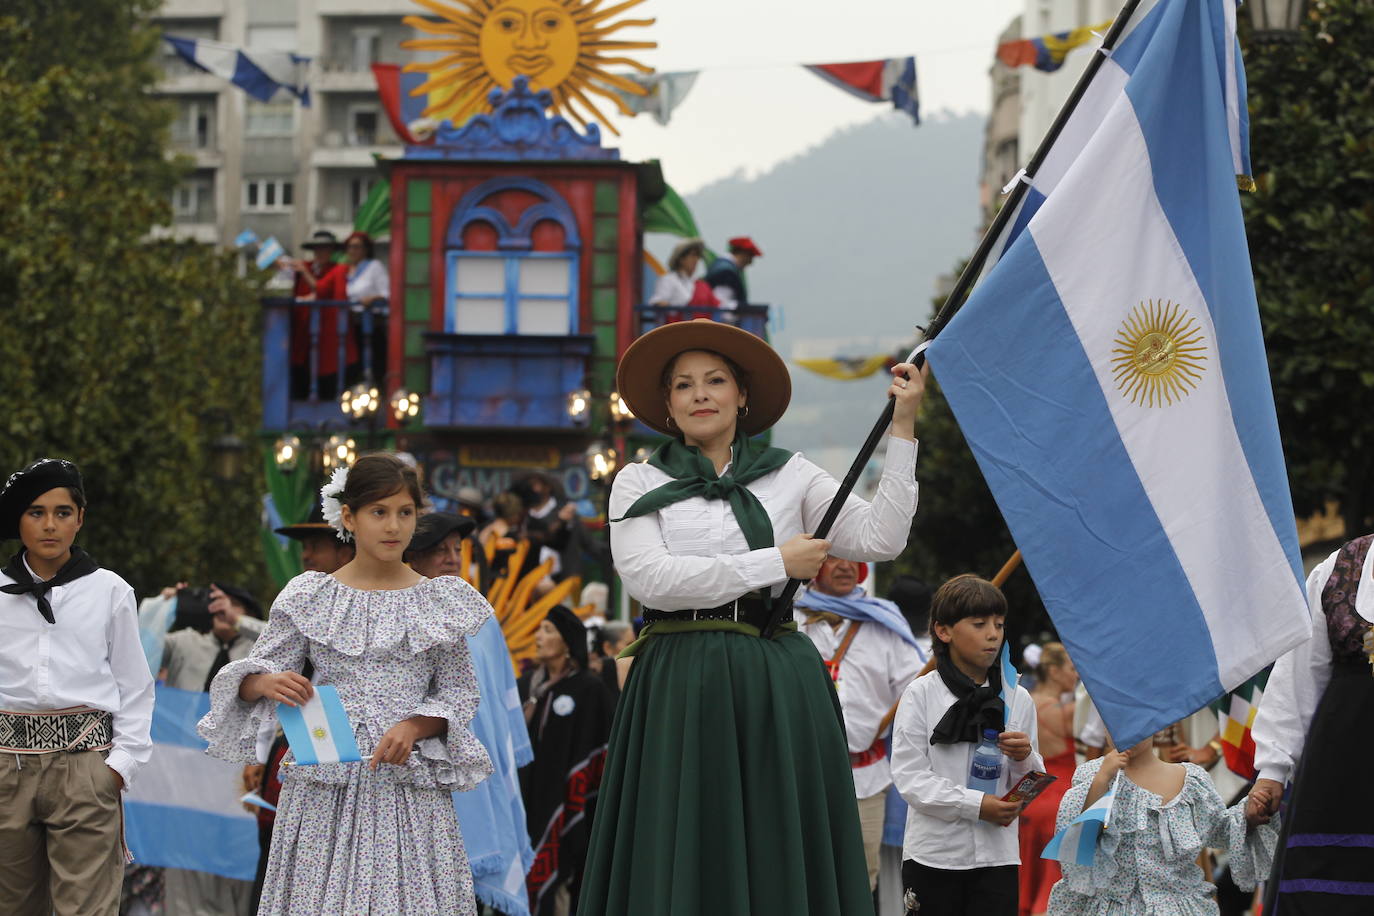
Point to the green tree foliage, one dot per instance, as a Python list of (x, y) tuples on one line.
[(119, 348), (1311, 229)]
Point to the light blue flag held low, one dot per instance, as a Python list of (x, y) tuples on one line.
[(1076, 844), (319, 731), (1109, 375), (184, 810)]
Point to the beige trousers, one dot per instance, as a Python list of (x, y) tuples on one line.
[(60, 846), (871, 815)]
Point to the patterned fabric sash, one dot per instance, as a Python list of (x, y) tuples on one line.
[(79, 728)]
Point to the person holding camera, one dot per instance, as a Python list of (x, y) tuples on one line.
[(222, 624)]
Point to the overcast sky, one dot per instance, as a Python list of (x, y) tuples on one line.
[(752, 108)]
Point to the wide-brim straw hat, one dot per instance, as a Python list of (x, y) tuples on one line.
[(684, 248), (639, 376)]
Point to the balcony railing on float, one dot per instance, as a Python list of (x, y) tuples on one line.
[(299, 393), (752, 318)]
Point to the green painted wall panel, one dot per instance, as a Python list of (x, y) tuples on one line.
[(415, 341), (603, 304), (417, 303), (606, 235), (605, 339), (604, 267), (607, 198), (417, 377), (417, 268), (418, 196), (417, 231)]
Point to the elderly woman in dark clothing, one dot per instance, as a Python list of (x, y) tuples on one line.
[(569, 714)]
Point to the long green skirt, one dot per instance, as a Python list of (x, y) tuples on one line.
[(727, 788)]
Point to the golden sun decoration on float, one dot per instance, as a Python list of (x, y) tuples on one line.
[(563, 46), (1160, 354)]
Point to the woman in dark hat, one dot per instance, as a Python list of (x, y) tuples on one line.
[(728, 788), (568, 710), (319, 278)]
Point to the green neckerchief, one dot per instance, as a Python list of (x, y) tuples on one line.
[(694, 475)]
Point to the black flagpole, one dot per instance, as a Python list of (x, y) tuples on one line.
[(782, 606)]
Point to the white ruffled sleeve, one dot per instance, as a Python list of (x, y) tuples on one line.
[(459, 760), (1251, 849), (232, 725), (1089, 879)]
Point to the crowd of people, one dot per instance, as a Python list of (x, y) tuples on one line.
[(725, 754)]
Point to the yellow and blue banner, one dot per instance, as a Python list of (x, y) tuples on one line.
[(1047, 52)]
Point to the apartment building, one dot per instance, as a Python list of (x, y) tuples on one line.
[(280, 168)]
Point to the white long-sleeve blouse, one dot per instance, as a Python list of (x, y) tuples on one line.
[(693, 554), (1300, 677)]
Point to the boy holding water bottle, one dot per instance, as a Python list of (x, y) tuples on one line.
[(959, 742)]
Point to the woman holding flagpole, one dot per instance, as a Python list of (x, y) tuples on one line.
[(378, 836), (727, 787)]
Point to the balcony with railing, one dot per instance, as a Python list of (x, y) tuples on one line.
[(314, 350), (752, 318)]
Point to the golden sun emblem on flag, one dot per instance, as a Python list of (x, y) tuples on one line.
[(319, 733), (1161, 354), (560, 45)]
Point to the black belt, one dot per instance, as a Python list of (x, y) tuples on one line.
[(751, 609)]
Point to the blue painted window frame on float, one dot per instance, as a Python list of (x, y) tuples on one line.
[(514, 246)]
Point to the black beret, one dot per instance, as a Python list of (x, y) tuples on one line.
[(26, 485), (435, 526)]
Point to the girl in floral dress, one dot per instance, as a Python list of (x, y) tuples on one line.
[(376, 837), (1163, 816)]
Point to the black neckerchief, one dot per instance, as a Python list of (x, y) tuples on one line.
[(975, 708), (80, 564)]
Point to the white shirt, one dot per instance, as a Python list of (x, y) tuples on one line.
[(942, 826), (369, 281), (1300, 677), (673, 288), (91, 657), (692, 553), (873, 673)]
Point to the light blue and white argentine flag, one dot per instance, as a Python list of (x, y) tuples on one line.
[(258, 72), (319, 731), (184, 809), (1109, 374), (268, 252), (1076, 844)]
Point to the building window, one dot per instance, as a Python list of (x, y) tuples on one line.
[(267, 195), (193, 127), (362, 125), (495, 293), (358, 191), (367, 47), (192, 201), (269, 119), (512, 263), (271, 37)]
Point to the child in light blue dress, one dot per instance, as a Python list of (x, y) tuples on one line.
[(1161, 821)]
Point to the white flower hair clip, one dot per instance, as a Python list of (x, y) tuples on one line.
[(331, 506)]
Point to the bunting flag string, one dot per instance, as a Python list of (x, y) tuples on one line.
[(886, 80), (1047, 52)]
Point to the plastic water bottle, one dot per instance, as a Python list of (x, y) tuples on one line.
[(985, 773)]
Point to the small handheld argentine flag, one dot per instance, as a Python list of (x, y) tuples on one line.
[(1010, 676), (1076, 844), (245, 238), (268, 252), (319, 731)]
